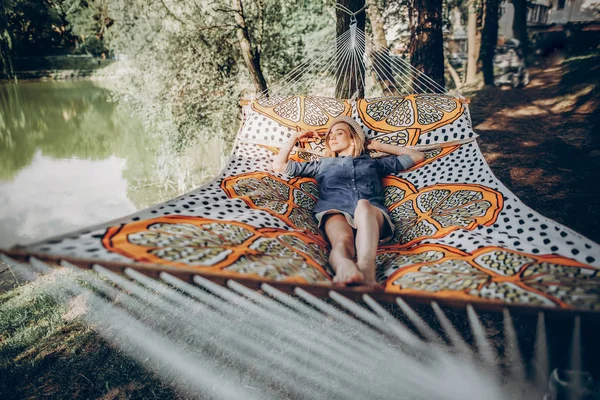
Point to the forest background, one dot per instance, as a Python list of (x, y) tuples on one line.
[(183, 66)]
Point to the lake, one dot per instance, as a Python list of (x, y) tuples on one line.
[(69, 158)]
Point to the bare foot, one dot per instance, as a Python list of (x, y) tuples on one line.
[(348, 273), (368, 271)]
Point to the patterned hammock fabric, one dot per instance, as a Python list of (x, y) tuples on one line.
[(460, 234)]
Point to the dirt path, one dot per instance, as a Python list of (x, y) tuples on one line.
[(543, 141)]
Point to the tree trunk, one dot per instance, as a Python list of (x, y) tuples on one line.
[(380, 56), (6, 53), (519, 25), (251, 55), (489, 39), (453, 73), (473, 44), (350, 73), (426, 42)]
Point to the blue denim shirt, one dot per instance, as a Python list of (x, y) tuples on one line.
[(345, 180)]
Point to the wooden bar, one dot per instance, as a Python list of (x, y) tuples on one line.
[(354, 293)]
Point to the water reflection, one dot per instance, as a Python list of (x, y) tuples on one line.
[(62, 120), (53, 196), (67, 159)]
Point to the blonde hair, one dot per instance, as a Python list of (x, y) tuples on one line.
[(359, 141)]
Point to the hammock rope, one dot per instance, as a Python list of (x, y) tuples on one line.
[(352, 14), (424, 84), (231, 342), (353, 56)]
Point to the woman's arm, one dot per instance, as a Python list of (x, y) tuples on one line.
[(416, 155), (280, 161)]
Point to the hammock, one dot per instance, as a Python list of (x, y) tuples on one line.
[(461, 236)]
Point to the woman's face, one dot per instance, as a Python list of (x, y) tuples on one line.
[(340, 139)]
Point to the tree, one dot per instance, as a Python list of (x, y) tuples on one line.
[(426, 40), (377, 23), (489, 39), (36, 26), (186, 67), (473, 41), (380, 54), (250, 53), (90, 21), (519, 24), (350, 82)]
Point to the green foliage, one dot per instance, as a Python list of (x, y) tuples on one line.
[(89, 21), (186, 70), (45, 27), (182, 79), (6, 51), (38, 27)]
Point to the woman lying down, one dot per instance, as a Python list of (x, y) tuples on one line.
[(350, 209)]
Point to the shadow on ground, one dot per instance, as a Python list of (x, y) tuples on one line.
[(542, 141)]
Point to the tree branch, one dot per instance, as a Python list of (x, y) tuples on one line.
[(225, 10), (453, 74), (172, 14), (206, 28), (261, 26)]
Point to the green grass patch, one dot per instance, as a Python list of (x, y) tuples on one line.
[(47, 351)]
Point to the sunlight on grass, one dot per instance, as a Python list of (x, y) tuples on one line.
[(528, 143), (492, 156), (61, 357), (567, 102), (536, 83)]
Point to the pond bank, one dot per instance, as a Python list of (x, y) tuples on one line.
[(44, 70)]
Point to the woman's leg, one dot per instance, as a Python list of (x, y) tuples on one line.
[(369, 223), (341, 236)]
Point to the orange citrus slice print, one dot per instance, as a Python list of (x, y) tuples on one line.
[(503, 276), (297, 155), (302, 112), (435, 211), (421, 112), (227, 247), (389, 258), (292, 202), (434, 154)]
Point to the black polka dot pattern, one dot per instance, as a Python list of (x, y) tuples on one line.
[(457, 132), (260, 129), (516, 227)]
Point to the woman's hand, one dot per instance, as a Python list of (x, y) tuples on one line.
[(307, 136), (373, 145), (280, 161)]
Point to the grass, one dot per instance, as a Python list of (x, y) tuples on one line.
[(47, 351)]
